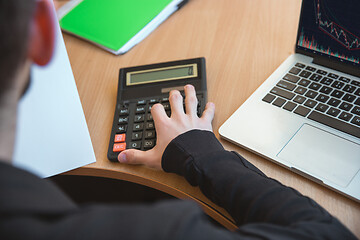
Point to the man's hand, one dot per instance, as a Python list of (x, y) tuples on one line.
[(169, 128)]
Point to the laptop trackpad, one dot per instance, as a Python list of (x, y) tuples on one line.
[(323, 155)]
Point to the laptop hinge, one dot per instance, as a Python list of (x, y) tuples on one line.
[(337, 66)]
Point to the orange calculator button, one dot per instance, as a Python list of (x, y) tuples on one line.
[(120, 138), (119, 147)]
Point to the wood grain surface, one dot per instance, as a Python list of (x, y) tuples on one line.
[(243, 42)]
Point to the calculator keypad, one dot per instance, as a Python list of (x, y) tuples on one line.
[(135, 128)]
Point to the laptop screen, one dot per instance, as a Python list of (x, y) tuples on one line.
[(331, 28)]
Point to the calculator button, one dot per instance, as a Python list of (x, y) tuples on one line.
[(120, 138), (123, 120), (138, 127), (149, 144), (149, 134), (118, 147), (153, 100), (141, 102), (150, 125), (124, 112), (136, 145), (136, 136), (140, 109), (121, 129), (139, 118), (166, 106), (149, 117)]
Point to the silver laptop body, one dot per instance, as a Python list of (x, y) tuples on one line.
[(305, 116)]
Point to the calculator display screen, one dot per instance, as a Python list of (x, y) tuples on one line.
[(161, 74)]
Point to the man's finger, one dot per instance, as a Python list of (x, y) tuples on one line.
[(209, 112), (176, 103), (191, 101), (133, 156), (158, 113)]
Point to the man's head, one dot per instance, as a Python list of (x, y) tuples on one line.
[(26, 35)]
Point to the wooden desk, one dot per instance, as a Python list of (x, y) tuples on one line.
[(243, 41)]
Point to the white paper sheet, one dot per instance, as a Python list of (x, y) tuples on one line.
[(52, 135)]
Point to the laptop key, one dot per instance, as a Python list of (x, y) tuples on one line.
[(355, 83), (316, 77), (295, 70), (304, 82), (311, 94), (300, 90), (291, 78), (310, 103), (357, 92), (326, 89), (305, 74), (338, 84), (336, 123), (349, 98), (282, 93), (333, 75), (300, 65), (345, 106), (356, 110), (337, 94), (326, 81), (268, 98), (333, 112), (299, 99), (315, 86), (312, 69), (344, 79), (357, 102), (279, 102), (334, 102), (349, 88), (345, 116), (322, 98), (302, 111), (286, 85), (321, 107), (356, 121), (322, 72), (290, 106)]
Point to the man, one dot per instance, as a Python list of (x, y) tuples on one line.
[(33, 208)]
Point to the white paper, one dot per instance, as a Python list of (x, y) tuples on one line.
[(52, 135)]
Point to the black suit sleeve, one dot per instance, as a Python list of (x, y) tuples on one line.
[(262, 207)]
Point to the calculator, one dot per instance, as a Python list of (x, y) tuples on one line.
[(139, 89)]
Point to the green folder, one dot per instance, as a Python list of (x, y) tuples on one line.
[(115, 25)]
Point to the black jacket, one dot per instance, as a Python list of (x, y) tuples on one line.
[(33, 208)]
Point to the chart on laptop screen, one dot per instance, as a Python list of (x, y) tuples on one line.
[(331, 28)]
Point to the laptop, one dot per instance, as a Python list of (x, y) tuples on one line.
[(306, 115)]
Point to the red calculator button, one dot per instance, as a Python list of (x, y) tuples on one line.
[(120, 138), (119, 147)]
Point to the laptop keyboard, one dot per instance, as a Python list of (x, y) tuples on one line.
[(323, 97)]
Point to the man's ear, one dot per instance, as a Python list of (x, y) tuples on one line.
[(42, 33)]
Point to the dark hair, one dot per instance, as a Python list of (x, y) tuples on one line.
[(15, 16)]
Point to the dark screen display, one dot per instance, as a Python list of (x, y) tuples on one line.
[(331, 28)]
